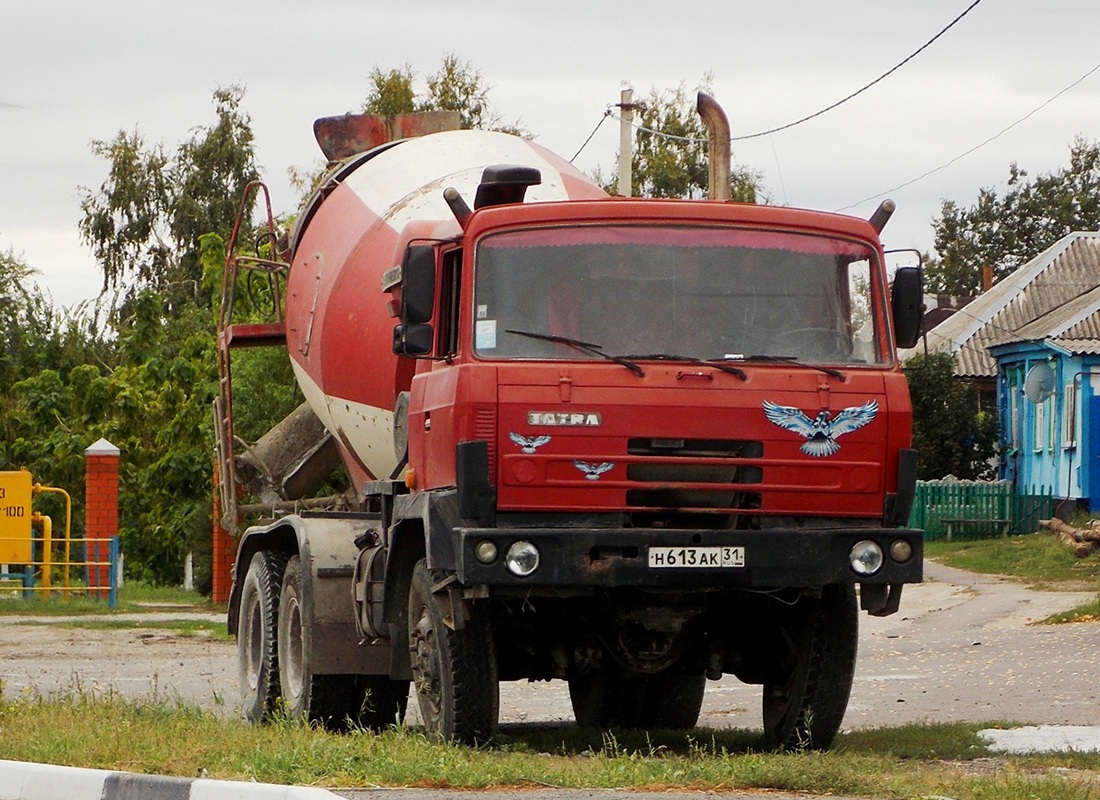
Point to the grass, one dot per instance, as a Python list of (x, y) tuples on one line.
[(1039, 559), (170, 738), (133, 597), (165, 736), (204, 628)]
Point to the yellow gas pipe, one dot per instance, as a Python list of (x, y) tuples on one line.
[(47, 537)]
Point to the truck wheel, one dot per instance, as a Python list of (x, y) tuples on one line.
[(673, 700), (607, 699), (454, 671), (257, 633), (334, 701), (805, 708)]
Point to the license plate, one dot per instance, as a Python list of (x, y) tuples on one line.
[(696, 557)]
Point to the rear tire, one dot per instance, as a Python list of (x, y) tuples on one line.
[(613, 700), (673, 700), (804, 709), (257, 636), (454, 671), (334, 701), (607, 699)]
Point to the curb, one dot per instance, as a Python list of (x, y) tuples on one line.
[(25, 781)]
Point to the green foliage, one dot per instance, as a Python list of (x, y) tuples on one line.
[(949, 433), (456, 86), (391, 92), (144, 222), (157, 226), (670, 154), (49, 390), (1006, 231), (150, 396), (211, 172)]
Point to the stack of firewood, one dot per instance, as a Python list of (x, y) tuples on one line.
[(1082, 540)]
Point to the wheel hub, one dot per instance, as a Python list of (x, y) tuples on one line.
[(426, 665)]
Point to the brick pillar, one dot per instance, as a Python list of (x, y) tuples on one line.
[(225, 550), (101, 513)]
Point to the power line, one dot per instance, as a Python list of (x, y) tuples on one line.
[(860, 91), (976, 147), (808, 117), (603, 119)]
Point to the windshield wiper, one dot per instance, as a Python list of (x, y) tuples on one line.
[(716, 363), (833, 373), (583, 347)]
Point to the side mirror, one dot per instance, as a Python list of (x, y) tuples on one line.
[(418, 284), (907, 305), (416, 339)]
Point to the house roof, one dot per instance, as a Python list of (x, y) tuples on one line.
[(1054, 296)]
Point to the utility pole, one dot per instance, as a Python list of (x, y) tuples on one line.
[(626, 141)]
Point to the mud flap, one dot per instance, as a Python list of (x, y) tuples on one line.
[(880, 600)]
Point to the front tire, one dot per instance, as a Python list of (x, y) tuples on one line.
[(257, 635), (454, 671), (334, 701), (804, 709)]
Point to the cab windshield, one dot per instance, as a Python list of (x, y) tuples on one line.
[(724, 294)]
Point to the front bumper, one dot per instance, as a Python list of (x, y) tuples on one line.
[(618, 557)]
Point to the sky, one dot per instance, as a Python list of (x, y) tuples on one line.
[(76, 71)]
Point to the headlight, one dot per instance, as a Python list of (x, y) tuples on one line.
[(901, 551), (522, 559), (865, 557), (486, 551)]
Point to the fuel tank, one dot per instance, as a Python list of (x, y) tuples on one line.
[(352, 230)]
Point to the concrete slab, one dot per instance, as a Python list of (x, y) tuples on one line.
[(1043, 739)]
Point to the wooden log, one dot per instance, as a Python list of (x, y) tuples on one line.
[(1081, 540)]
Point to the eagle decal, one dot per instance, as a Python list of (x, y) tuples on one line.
[(593, 472), (821, 432), (529, 444)]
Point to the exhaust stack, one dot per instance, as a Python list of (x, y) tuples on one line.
[(718, 145), (882, 214)]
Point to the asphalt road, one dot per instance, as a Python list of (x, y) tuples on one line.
[(962, 648)]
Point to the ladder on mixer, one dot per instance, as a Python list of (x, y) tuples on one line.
[(233, 335)]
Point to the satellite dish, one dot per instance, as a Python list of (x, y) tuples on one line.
[(1039, 383)]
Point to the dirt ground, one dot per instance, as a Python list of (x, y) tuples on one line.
[(962, 648)]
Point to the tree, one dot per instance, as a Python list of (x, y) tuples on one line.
[(25, 320), (391, 92), (150, 226), (456, 86), (144, 222), (1006, 231), (670, 152), (949, 433)]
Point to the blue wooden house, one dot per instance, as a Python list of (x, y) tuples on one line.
[(1034, 339)]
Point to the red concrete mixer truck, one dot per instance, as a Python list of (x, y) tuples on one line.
[(632, 444)]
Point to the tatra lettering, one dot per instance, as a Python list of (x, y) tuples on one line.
[(565, 418)]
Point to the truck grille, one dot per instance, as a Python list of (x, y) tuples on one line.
[(485, 424), (672, 471)]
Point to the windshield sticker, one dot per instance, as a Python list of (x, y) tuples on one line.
[(485, 334), (483, 312), (592, 472), (529, 444), (589, 419), (821, 432)]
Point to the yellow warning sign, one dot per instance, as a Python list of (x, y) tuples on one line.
[(15, 517)]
